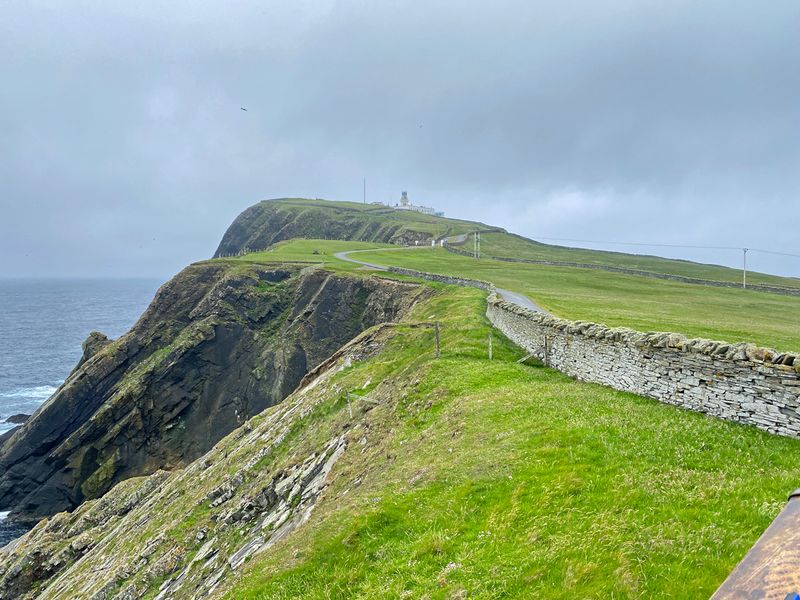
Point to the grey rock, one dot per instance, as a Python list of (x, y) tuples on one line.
[(217, 345)]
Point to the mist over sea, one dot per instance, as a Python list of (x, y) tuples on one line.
[(43, 323)]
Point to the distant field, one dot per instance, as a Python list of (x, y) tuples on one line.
[(626, 300), (507, 245), (611, 298), (379, 222)]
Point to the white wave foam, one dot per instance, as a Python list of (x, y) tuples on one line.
[(4, 514), (40, 392)]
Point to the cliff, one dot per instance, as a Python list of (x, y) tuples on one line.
[(272, 221), (219, 343)]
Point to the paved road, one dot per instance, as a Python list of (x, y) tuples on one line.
[(346, 256), (507, 295), (520, 300)]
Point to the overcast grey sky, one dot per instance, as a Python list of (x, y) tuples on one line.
[(124, 152)]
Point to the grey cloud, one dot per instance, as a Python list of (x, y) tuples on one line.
[(124, 150)]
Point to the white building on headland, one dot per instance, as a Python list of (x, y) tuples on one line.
[(405, 204)]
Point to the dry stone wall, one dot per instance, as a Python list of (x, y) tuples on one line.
[(475, 283), (739, 382)]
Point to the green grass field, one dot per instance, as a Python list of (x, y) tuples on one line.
[(614, 299), (319, 252), (491, 479), (506, 245)]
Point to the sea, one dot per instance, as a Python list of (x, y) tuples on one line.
[(42, 325)]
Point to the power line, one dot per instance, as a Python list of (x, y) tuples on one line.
[(775, 252), (637, 243)]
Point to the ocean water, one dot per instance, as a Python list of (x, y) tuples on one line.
[(9, 530), (43, 323)]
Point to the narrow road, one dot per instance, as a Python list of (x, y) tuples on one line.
[(507, 295), (520, 300)]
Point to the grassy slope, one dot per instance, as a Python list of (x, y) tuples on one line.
[(503, 244), (435, 226), (625, 300), (506, 480), (319, 252)]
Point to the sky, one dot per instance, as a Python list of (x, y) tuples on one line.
[(124, 151)]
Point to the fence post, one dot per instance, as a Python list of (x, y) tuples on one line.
[(490, 345), (436, 338)]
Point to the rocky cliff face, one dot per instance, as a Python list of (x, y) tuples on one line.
[(273, 221), (220, 343), (187, 533)]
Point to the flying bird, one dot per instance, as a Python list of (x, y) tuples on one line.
[(243, 108)]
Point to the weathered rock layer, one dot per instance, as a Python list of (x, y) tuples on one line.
[(220, 343)]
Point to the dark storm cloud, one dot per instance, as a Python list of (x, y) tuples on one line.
[(124, 150)]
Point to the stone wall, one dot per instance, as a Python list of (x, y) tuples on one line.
[(475, 283), (739, 382)]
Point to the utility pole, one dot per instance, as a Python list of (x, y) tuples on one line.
[(365, 190), (476, 244), (744, 267)]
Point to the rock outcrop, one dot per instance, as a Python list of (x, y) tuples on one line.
[(219, 343), (18, 419), (93, 344)]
